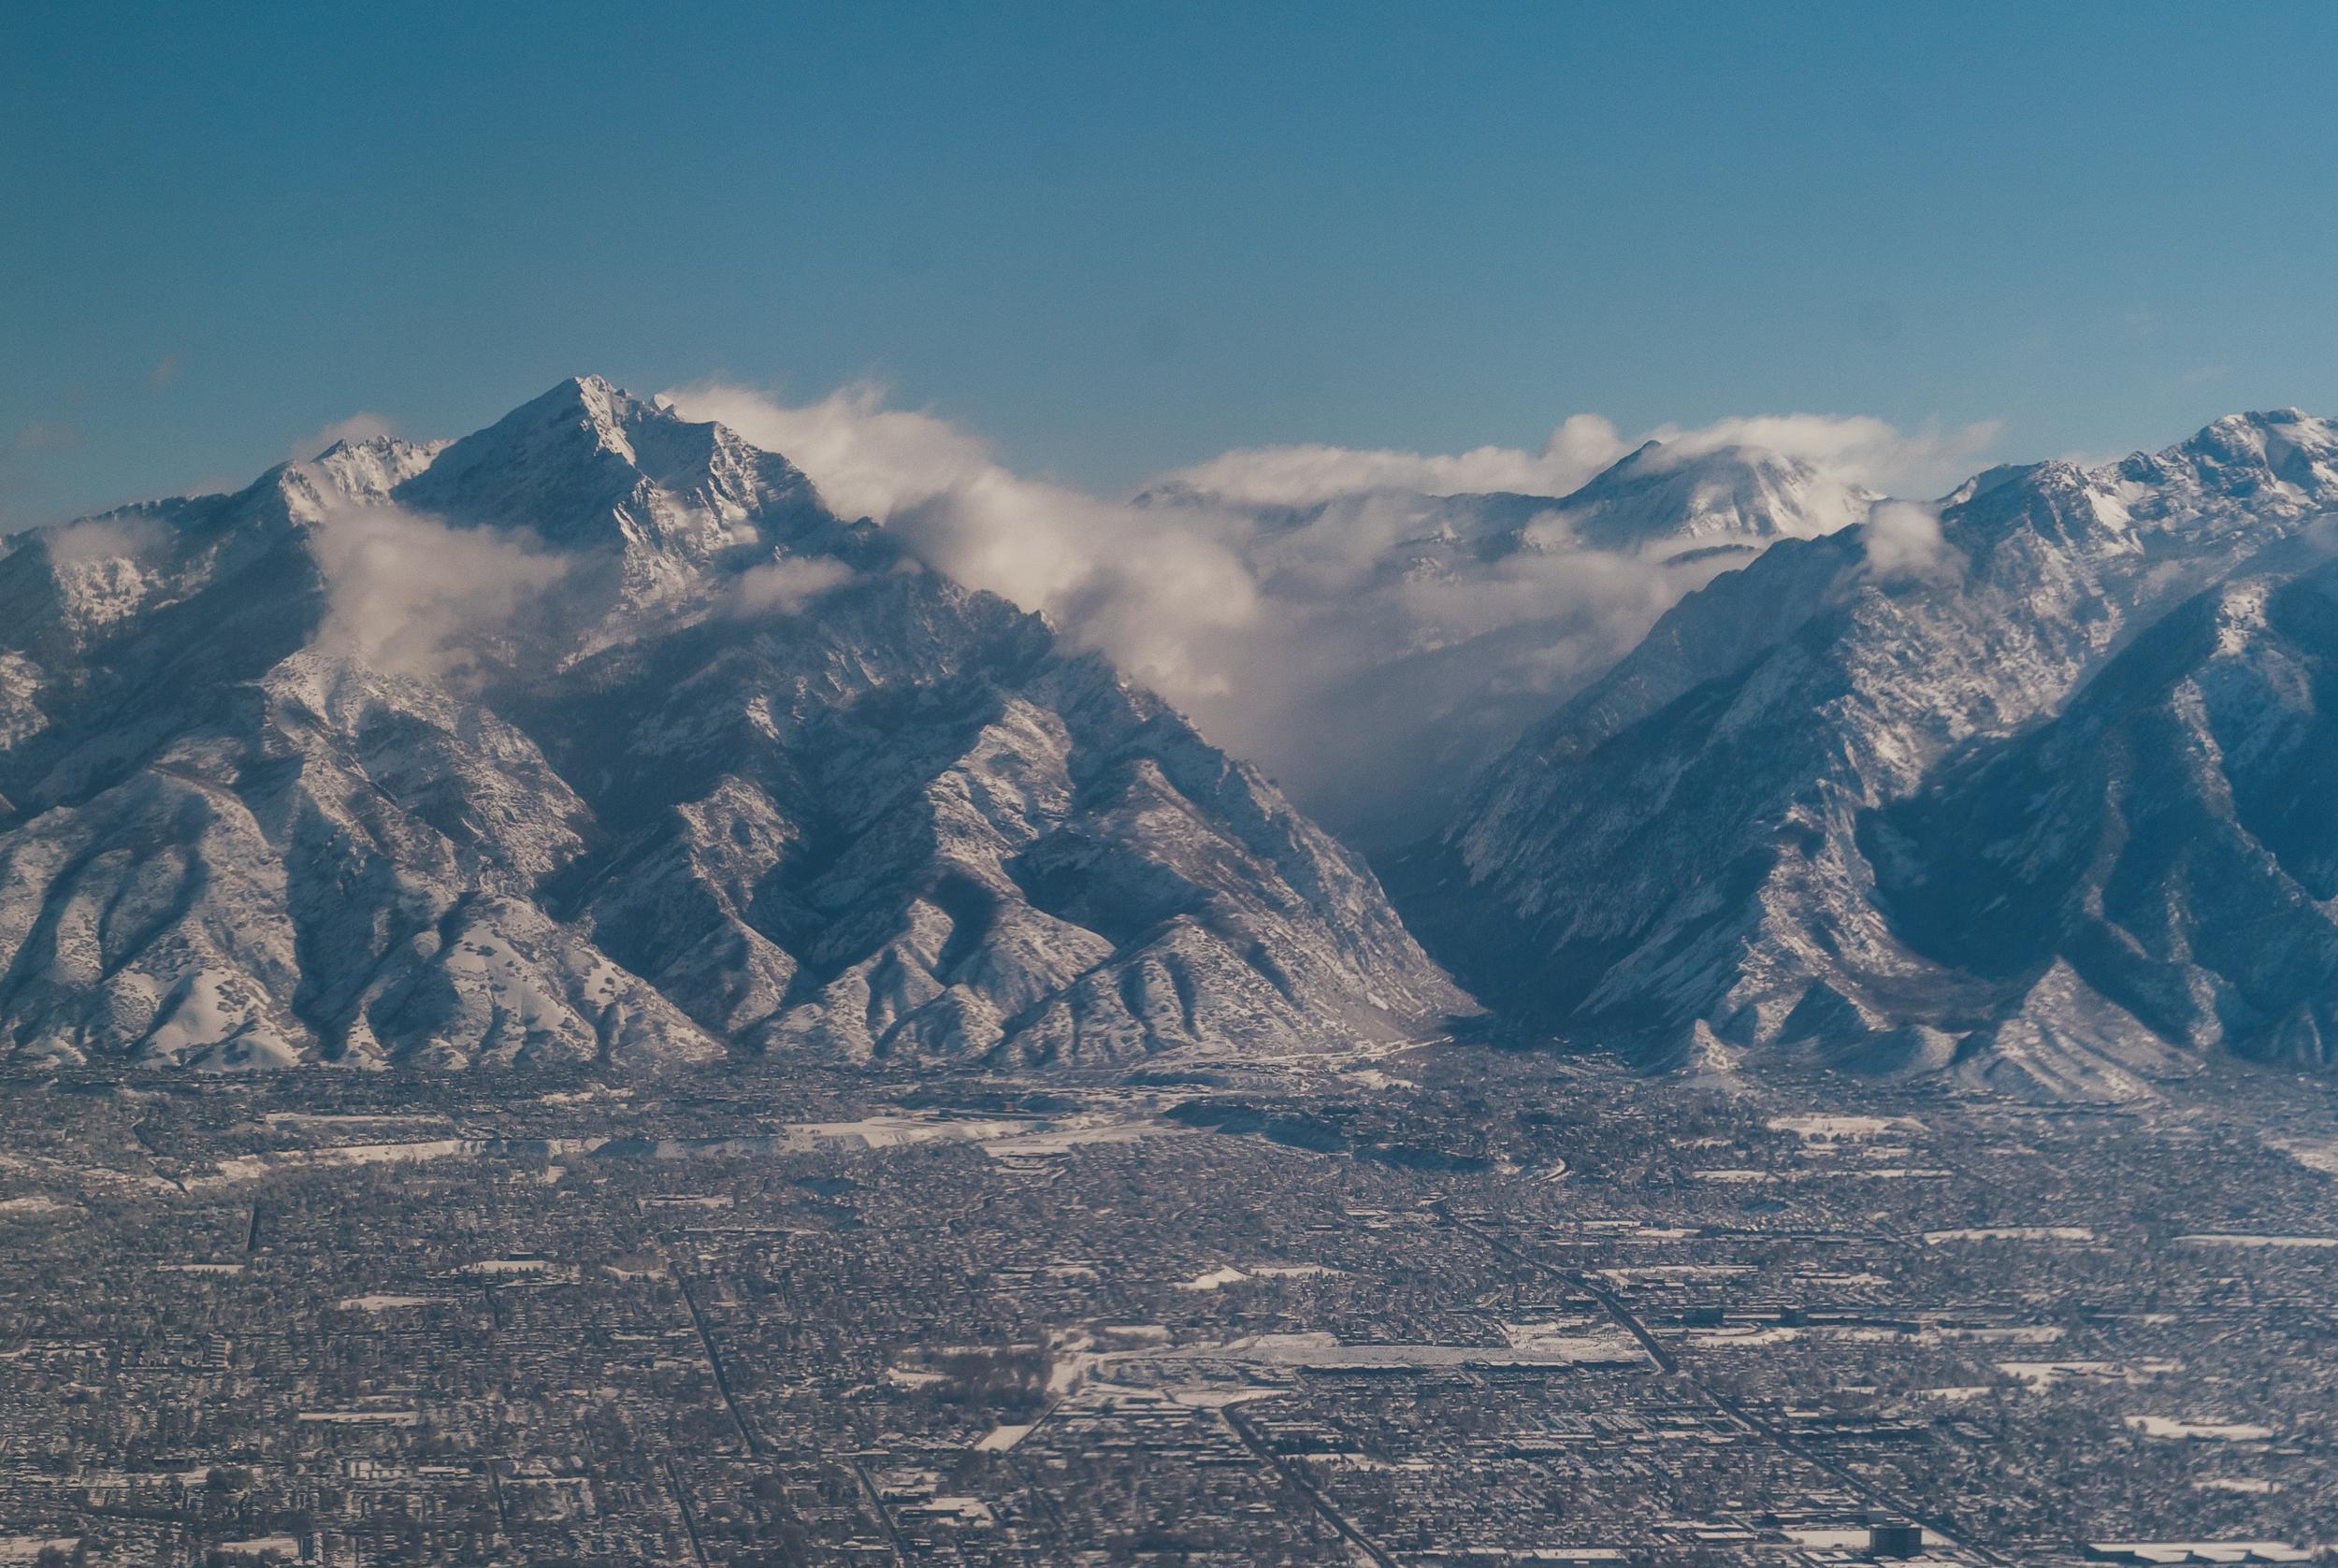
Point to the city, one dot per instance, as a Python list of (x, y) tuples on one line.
[(1445, 1306)]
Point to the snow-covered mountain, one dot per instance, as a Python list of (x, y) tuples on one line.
[(2035, 787), (1659, 501), (595, 733), (1445, 624)]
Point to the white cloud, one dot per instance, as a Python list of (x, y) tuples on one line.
[(409, 595), (357, 428), (1307, 474), (126, 535), (784, 587), (1343, 648), (1856, 449), (1903, 540), (46, 436), (1148, 587), (867, 459)]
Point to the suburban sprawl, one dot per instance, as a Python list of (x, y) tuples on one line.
[(1446, 1306)]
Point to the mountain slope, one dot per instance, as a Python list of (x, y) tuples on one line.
[(1685, 847), (2169, 842), (594, 734)]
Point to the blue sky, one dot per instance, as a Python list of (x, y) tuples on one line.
[(1118, 238)]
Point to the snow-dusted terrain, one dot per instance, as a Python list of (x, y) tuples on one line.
[(595, 733), (1437, 627), (2035, 786)]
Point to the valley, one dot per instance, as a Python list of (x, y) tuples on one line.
[(1431, 1306)]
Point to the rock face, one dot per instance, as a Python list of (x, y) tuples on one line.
[(2166, 848), (2036, 789), (596, 735)]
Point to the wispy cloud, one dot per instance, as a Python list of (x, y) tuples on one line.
[(784, 587), (1301, 601), (1856, 449), (124, 537), (357, 428), (43, 435), (409, 595), (1148, 587), (1903, 540), (1302, 475)]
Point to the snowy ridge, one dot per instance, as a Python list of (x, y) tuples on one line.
[(1741, 497), (1753, 826), (593, 735)]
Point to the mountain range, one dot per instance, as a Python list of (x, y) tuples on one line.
[(596, 735), (2030, 787)]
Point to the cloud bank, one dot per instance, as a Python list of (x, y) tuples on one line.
[(1148, 587), (1904, 540), (409, 596), (1316, 609), (1292, 476), (1856, 450), (125, 536)]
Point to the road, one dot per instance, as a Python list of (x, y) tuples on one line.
[(1297, 1477), (1625, 1318)]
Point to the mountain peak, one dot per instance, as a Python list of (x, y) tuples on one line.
[(590, 406), (366, 468), (2287, 456), (383, 789), (587, 461), (1673, 494), (589, 391), (2288, 444), (1654, 456)]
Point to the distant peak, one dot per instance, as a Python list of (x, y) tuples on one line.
[(1646, 457), (364, 468), (596, 396), (1988, 480), (2293, 422), (352, 446), (1707, 494), (2285, 445), (1654, 462)]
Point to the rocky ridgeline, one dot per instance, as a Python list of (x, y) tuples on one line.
[(2033, 787), (596, 735)]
